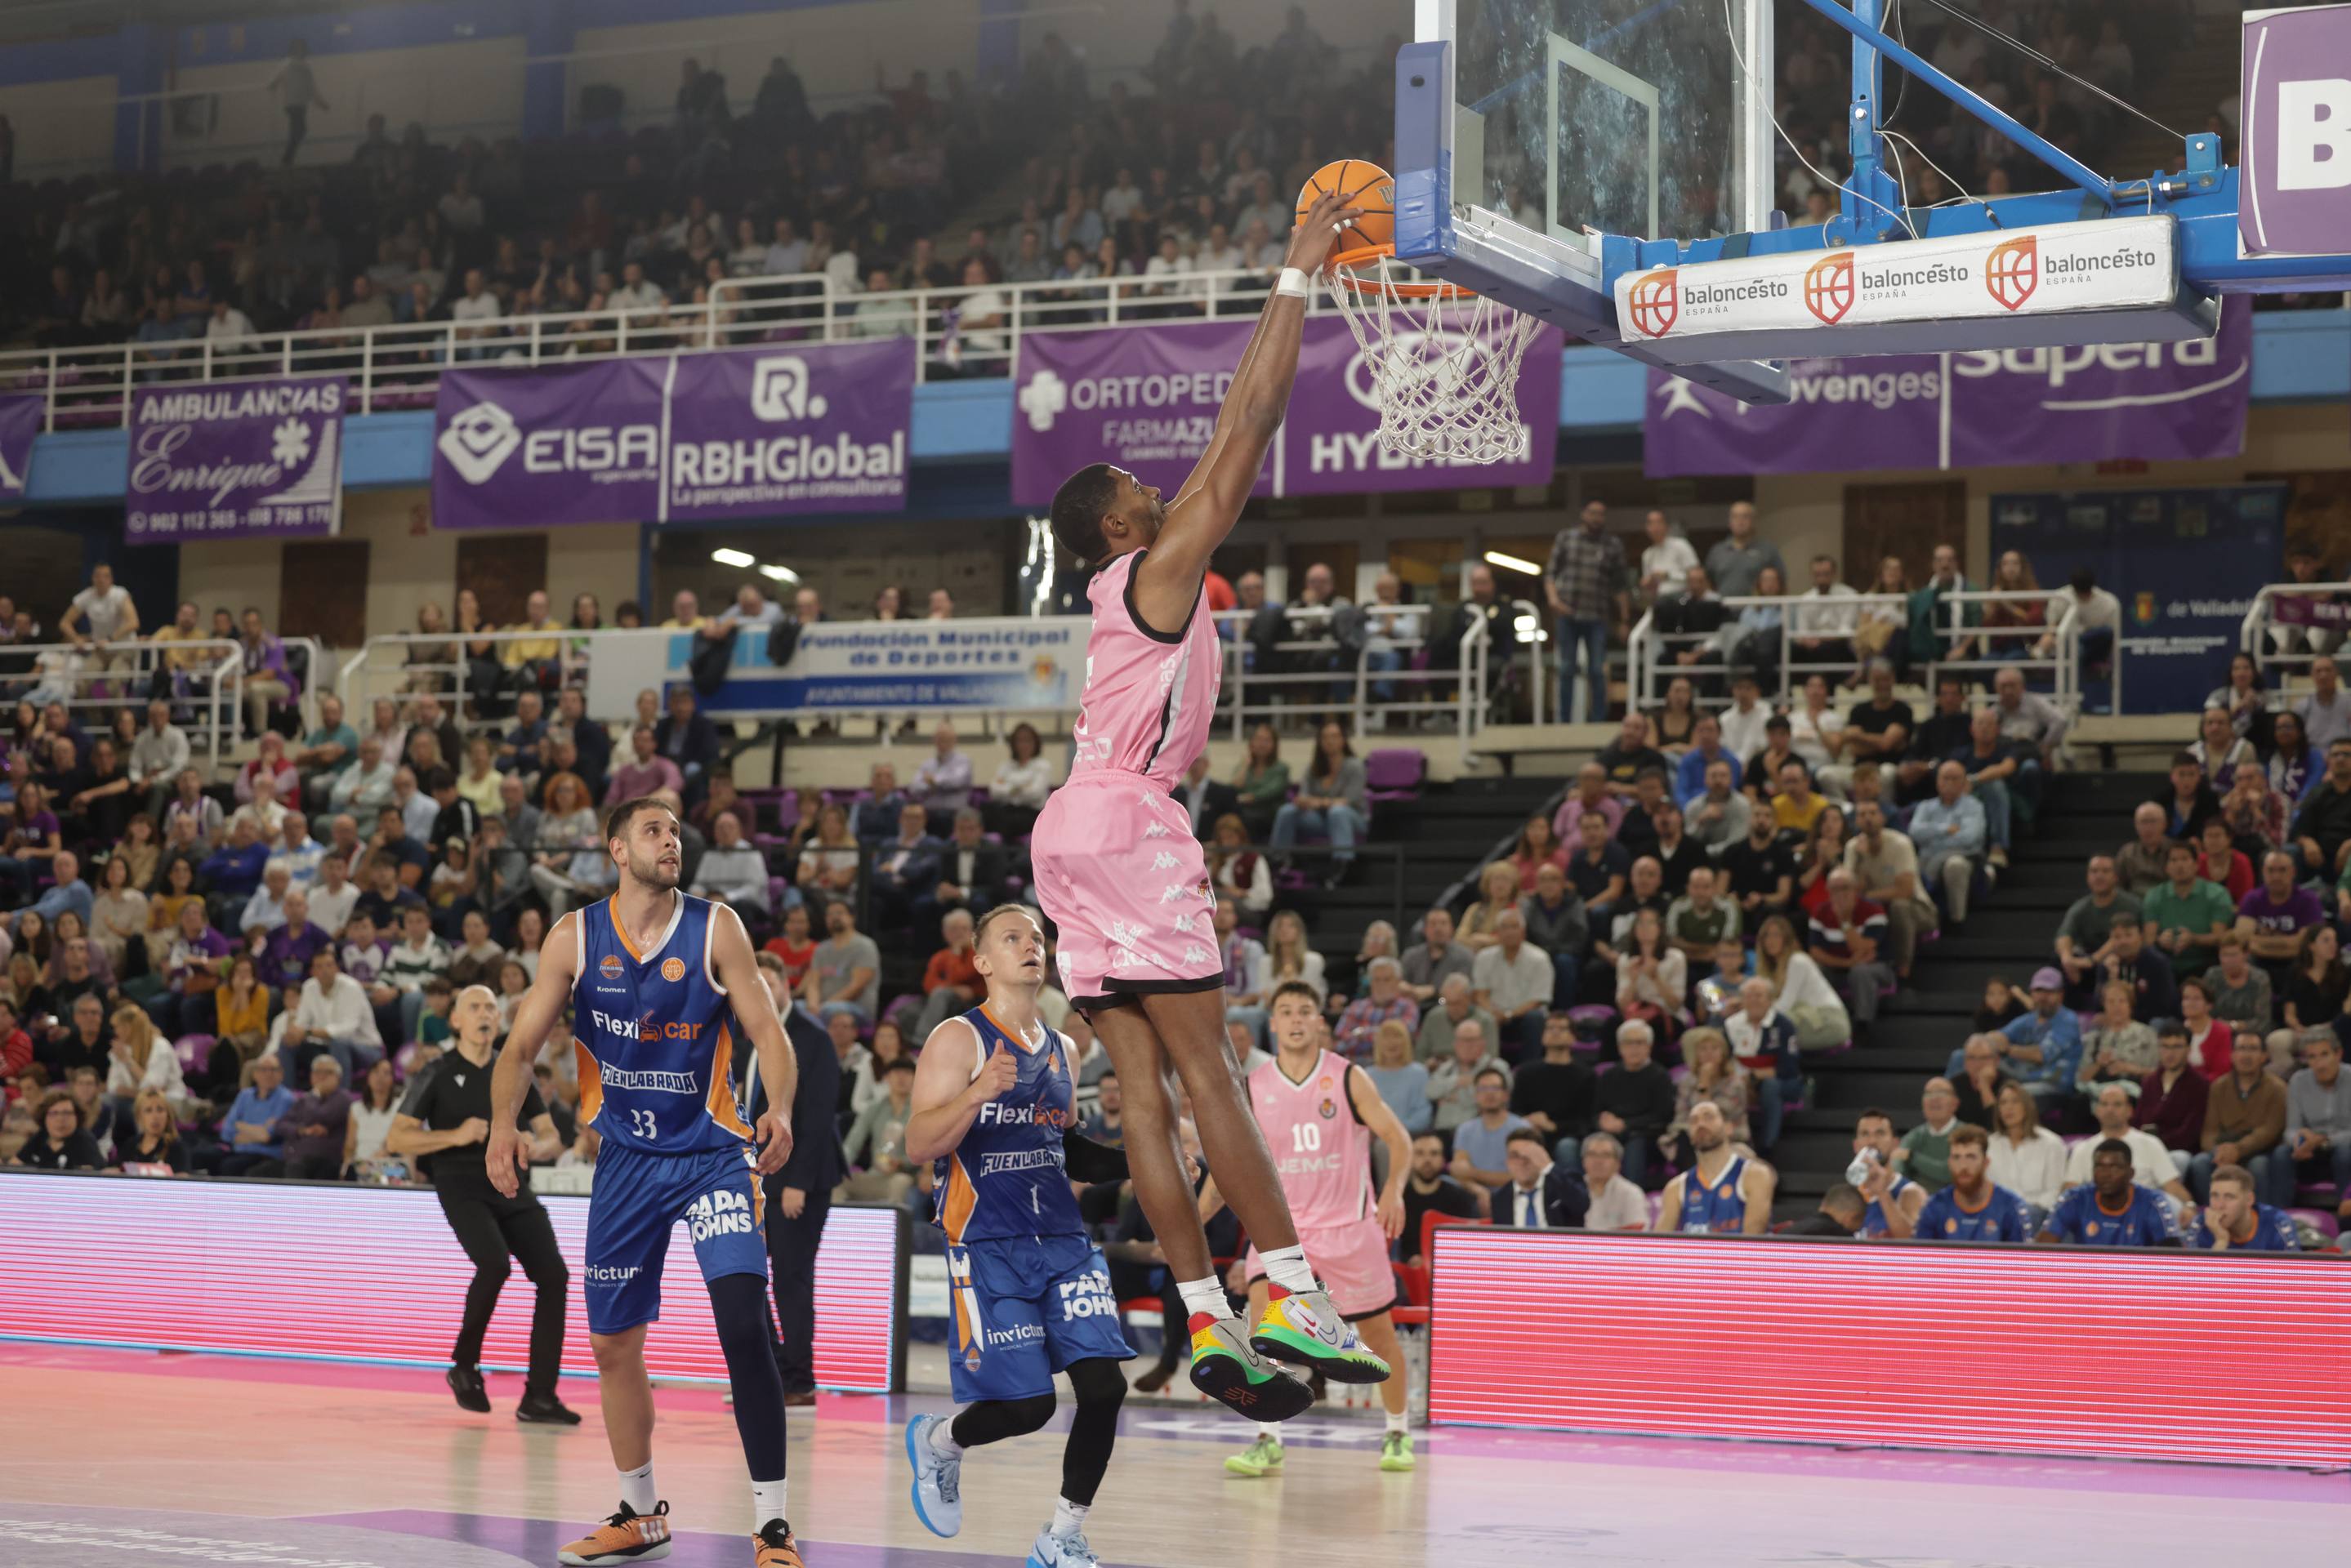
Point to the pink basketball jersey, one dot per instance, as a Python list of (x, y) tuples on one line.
[(1322, 1153), (1148, 696)]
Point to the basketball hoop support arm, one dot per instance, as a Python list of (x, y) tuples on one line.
[(1871, 198)]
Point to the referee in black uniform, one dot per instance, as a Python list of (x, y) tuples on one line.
[(442, 1124), (799, 1196)]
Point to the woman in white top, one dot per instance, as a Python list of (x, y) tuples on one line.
[(1652, 975), (1799, 988), (118, 916), (1816, 734), (1239, 870), (370, 1120), (1288, 956), (1023, 779), (2026, 1158), (867, 1075), (143, 1060)]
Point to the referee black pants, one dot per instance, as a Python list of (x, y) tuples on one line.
[(491, 1228), (791, 1261)]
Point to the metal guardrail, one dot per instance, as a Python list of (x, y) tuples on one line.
[(364, 677), (399, 366), (102, 677), (2279, 665), (1252, 694)]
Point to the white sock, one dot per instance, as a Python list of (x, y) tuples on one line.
[(767, 1501), (1269, 1429), (637, 1489), (1397, 1420), (942, 1442), (1286, 1267), (1205, 1296), (1069, 1518)]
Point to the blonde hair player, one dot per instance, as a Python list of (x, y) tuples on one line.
[(994, 1105), (1320, 1115), (652, 976), (1122, 877)]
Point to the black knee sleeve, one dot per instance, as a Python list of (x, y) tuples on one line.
[(1100, 1386), (993, 1420), (738, 1306)]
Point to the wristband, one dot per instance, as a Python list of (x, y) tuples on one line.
[(1293, 283)]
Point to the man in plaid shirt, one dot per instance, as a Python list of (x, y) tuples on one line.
[(1365, 1015), (1587, 584)]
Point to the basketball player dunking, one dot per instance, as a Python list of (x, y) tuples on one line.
[(1319, 1114), (994, 1104), (651, 976), (1124, 881)]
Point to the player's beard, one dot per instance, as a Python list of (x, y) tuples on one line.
[(652, 874), (1704, 1147)]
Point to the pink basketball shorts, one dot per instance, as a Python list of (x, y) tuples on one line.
[(1122, 878), (1352, 1261)]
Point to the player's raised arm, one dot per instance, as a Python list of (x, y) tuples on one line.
[(747, 989), (507, 1156), (1209, 501), (951, 1083)]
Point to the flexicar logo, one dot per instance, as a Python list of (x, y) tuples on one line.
[(610, 966), (2013, 271), (1828, 287), (1654, 301), (674, 969)]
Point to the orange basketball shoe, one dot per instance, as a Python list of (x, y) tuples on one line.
[(773, 1547), (627, 1537)]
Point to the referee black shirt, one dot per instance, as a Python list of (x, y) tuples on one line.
[(441, 1098)]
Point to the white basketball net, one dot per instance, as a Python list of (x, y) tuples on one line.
[(1444, 368)]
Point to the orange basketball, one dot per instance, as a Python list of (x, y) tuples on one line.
[(1365, 185)]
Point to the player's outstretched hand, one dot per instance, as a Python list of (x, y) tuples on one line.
[(1317, 230), (997, 1075), (507, 1158), (774, 1134)]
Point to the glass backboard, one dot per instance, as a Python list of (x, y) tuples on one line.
[(1629, 117)]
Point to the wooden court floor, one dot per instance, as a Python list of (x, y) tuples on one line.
[(384, 1472)]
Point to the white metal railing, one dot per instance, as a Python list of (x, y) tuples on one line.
[(1983, 651), (1653, 656), (367, 675), (1413, 692), (2281, 643), (103, 677), (399, 366)]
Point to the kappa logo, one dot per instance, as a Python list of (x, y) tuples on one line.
[(780, 390), (609, 968), (1044, 400), (1164, 861), (479, 441), (1654, 301), (1828, 287), (1154, 830), (2013, 271), (674, 969)]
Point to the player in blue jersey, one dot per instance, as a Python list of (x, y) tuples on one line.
[(1726, 1193), (1894, 1199), (2113, 1211), (2233, 1222), (993, 1105), (651, 977), (1972, 1208)]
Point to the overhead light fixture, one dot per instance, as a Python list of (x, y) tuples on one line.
[(780, 574), (1512, 564), (733, 557)]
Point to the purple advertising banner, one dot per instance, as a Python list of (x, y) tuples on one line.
[(2295, 195), (814, 427), (2004, 407), (20, 421), (1147, 398), (235, 460)]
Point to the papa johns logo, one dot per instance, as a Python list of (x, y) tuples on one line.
[(479, 441), (720, 1213), (1088, 1297)]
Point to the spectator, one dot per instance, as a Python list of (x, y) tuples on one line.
[(1587, 583), (60, 1141), (2236, 1222), (1884, 867), (1289, 958), (2187, 915), (1429, 1191), (2140, 866), (2314, 997), (2295, 765), (1846, 936), (1402, 1081), (1016, 793), (1799, 988), (158, 756), (1736, 563), (2244, 1120), (2116, 1047), (1537, 846), (67, 894), (2026, 1158), (2113, 1210), (1924, 1152), (1667, 560), (1453, 1082), (248, 1131), (844, 976), (972, 872), (1248, 982), (2275, 920), (943, 783), (2084, 938), (685, 737), (572, 864), (1383, 1002), (1993, 770), (332, 1016), (1616, 1203), (1514, 980), (646, 771), (2172, 1098), (1599, 867), (732, 872), (1441, 1023), (830, 858), (1652, 977), (951, 982), (317, 1126), (1628, 759), (1480, 1142), (1331, 801), (1498, 889), (1761, 871), (2220, 751), (1706, 749), (2210, 1039), (1262, 784), (2152, 1165), (1635, 1102), (1711, 1076), (2316, 1146), (1540, 1194)]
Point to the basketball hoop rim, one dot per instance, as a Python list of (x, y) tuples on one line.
[(1340, 268)]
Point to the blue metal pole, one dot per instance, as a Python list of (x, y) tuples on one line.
[(2075, 171), (1872, 196)]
